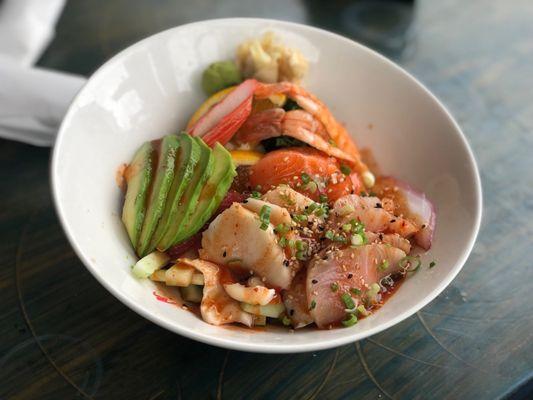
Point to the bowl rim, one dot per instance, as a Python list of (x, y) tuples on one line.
[(256, 346)]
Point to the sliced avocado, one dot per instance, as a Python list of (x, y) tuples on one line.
[(189, 200), (155, 203), (213, 192), (138, 176), (187, 157)]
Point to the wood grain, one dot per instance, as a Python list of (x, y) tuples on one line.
[(63, 336)]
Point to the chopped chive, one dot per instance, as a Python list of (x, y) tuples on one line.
[(384, 265), (334, 286), (313, 304), (256, 195), (323, 198), (283, 241), (345, 169), (351, 320), (357, 240), (362, 310), (300, 255), (311, 187), (299, 218), (355, 291), (305, 178), (282, 228), (348, 301), (285, 320), (346, 227), (406, 264), (432, 264), (291, 243), (264, 216), (339, 238), (329, 235)]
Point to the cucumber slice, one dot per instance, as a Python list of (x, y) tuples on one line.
[(147, 265), (270, 310), (192, 293)]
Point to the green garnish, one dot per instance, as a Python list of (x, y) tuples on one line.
[(410, 264), (321, 210), (347, 227), (310, 208), (384, 265), (305, 178), (283, 241), (350, 321), (300, 255), (357, 239), (264, 216), (234, 261), (329, 235), (299, 218), (334, 286), (348, 301), (256, 195), (300, 245), (313, 305), (285, 320), (355, 291), (323, 198), (291, 243), (282, 229), (432, 264), (362, 310), (345, 169), (311, 187)]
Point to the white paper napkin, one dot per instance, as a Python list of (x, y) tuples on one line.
[(32, 100)]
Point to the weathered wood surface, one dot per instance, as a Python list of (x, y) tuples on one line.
[(62, 335)]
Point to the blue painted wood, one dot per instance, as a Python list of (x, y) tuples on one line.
[(63, 336)]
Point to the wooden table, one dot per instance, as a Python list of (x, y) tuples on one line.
[(63, 336)]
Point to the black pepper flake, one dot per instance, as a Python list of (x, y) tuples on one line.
[(224, 254), (291, 312), (245, 201), (314, 281), (286, 263), (378, 205), (352, 191), (392, 221), (423, 226), (321, 228), (381, 236), (350, 276), (325, 258)]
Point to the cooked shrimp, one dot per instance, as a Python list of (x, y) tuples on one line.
[(217, 307), (317, 109), (235, 238), (298, 124)]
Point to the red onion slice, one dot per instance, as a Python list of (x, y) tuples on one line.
[(423, 212)]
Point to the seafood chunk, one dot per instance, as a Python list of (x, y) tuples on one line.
[(342, 270), (217, 307), (295, 300), (278, 215), (392, 239), (370, 211), (288, 198), (234, 238)]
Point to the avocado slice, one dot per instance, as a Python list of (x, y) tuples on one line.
[(213, 191), (189, 200), (155, 203), (187, 157), (138, 176)]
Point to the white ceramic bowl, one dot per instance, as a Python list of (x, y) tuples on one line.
[(151, 88)]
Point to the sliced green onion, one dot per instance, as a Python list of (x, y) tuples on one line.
[(311, 187), (282, 228), (334, 286), (351, 320), (300, 245), (346, 227), (346, 209), (256, 195), (285, 320), (305, 178), (372, 293), (348, 301), (345, 169), (339, 238), (264, 216), (299, 218), (301, 255), (384, 265), (355, 291), (362, 310), (313, 304), (357, 240), (323, 198), (329, 235), (406, 264), (291, 243), (283, 242)]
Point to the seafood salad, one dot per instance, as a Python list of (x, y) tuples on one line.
[(262, 209)]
